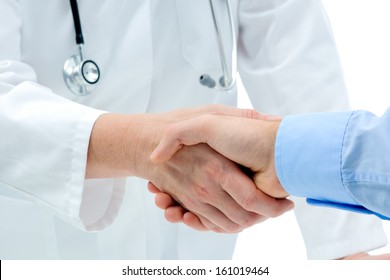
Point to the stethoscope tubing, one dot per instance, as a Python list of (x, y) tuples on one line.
[(76, 21), (80, 85), (228, 78)]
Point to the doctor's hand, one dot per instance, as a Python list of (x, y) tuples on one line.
[(205, 182), (200, 179), (249, 142)]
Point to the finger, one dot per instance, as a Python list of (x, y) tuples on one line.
[(152, 188), (174, 214), (235, 212), (229, 208), (188, 132), (272, 118), (266, 205), (216, 220), (163, 201), (192, 221), (223, 110), (177, 214), (232, 218), (244, 191), (199, 222)]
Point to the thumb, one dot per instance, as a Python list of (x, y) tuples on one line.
[(188, 132), (223, 110), (246, 113)]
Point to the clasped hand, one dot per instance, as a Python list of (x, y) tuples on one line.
[(246, 139)]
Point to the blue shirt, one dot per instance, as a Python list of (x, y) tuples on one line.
[(339, 159)]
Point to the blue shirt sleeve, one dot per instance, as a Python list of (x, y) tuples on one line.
[(337, 159)]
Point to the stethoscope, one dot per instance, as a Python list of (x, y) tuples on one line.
[(82, 75)]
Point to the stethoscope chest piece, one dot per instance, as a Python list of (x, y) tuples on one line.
[(81, 76)]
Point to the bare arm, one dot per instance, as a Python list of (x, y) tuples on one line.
[(251, 143), (199, 178)]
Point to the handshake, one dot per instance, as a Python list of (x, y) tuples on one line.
[(248, 140)]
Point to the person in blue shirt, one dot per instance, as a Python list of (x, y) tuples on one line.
[(337, 159)]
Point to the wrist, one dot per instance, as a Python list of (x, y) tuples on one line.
[(267, 179), (107, 154), (141, 138), (120, 145), (279, 191)]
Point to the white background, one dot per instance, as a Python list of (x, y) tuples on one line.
[(362, 33)]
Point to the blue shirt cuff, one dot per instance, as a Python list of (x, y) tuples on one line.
[(347, 207), (308, 156)]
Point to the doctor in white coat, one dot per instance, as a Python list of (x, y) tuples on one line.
[(151, 55)]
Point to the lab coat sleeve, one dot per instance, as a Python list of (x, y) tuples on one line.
[(44, 139), (288, 62), (336, 159)]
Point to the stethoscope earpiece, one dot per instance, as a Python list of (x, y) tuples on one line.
[(81, 76), (207, 81), (228, 80)]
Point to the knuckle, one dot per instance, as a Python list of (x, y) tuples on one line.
[(227, 174), (216, 229), (249, 220), (187, 202), (201, 191), (275, 212), (251, 114), (233, 228), (214, 169), (249, 202)]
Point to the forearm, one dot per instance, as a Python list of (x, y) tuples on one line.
[(336, 158), (120, 144)]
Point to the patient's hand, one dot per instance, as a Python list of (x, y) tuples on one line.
[(249, 142)]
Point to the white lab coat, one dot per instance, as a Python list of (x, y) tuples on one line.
[(151, 54)]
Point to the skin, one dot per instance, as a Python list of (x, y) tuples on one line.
[(200, 179), (215, 130), (249, 142)]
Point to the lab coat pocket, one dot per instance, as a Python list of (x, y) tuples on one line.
[(26, 231)]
